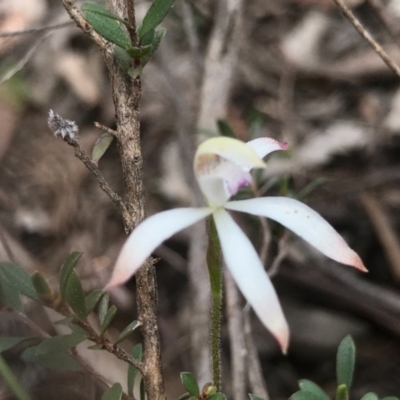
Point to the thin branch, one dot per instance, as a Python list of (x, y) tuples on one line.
[(36, 30), (94, 169), (367, 36), (106, 129)]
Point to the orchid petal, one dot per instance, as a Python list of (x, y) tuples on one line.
[(148, 235), (230, 149), (303, 221), (250, 276), (264, 145)]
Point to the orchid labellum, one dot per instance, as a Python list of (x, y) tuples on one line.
[(222, 166)]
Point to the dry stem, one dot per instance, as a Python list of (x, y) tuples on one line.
[(126, 96), (367, 36)]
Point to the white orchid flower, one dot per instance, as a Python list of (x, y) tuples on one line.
[(222, 166)]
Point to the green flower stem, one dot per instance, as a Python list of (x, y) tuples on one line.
[(12, 381), (215, 272)]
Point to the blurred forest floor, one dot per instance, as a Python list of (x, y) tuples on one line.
[(303, 76)]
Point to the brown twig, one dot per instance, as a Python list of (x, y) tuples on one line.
[(384, 231), (105, 129), (94, 169), (367, 36)]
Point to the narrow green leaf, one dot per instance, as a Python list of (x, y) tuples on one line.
[(190, 384), (309, 386), (92, 299), (139, 52), (77, 329), (54, 361), (303, 395), (8, 342), (103, 306), (95, 8), (345, 361), (342, 392), (225, 129), (74, 296), (56, 344), (8, 293), (19, 279), (252, 397), (123, 58), (101, 146), (157, 12), (370, 396), (127, 331), (42, 288), (108, 27), (66, 269), (153, 38), (137, 354), (108, 319), (217, 396), (390, 398), (114, 393), (65, 321)]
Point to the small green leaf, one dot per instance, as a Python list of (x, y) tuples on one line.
[(108, 319), (74, 296), (252, 397), (153, 38), (8, 342), (345, 361), (42, 288), (18, 279), (77, 329), (103, 307), (56, 344), (107, 26), (137, 353), (190, 384), (225, 129), (157, 12), (303, 395), (114, 393), (54, 361), (66, 269), (92, 299), (139, 52), (101, 146), (217, 396), (390, 398), (308, 386), (123, 58), (370, 396), (8, 294), (95, 8), (127, 331), (342, 392)]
